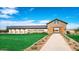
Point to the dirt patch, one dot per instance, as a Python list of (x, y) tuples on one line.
[(73, 44), (38, 45)]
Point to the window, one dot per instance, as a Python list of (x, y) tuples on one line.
[(56, 22)]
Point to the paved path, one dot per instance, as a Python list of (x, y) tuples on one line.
[(56, 43)]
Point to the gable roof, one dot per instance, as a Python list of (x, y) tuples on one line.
[(58, 20), (28, 27)]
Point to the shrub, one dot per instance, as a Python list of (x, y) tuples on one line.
[(67, 32)]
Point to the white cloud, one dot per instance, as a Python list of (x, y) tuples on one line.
[(4, 16), (10, 22), (72, 26), (43, 21), (70, 17), (67, 17), (5, 23), (12, 7), (31, 9), (7, 12)]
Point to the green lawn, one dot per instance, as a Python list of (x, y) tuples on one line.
[(18, 42), (74, 36)]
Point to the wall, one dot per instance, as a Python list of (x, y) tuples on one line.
[(60, 25), (24, 31), (37, 30)]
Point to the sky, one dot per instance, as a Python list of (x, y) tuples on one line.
[(22, 16)]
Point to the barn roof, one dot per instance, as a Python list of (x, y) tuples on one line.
[(28, 27), (58, 20)]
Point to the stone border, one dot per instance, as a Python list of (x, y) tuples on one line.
[(72, 43), (37, 45)]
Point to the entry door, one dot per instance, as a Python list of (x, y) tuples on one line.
[(56, 29)]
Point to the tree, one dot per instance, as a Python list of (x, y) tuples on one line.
[(76, 30)]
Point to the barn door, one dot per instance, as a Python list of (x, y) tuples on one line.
[(56, 30)]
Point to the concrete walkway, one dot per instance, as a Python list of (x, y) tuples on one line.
[(56, 43)]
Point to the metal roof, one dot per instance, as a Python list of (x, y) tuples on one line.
[(58, 20), (28, 27)]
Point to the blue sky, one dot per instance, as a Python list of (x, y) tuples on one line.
[(18, 16)]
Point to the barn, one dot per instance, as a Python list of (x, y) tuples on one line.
[(54, 26), (27, 29)]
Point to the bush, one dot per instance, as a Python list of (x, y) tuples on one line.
[(67, 32)]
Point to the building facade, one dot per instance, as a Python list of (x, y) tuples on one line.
[(55, 26), (27, 29)]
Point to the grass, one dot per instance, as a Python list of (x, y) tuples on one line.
[(74, 36), (18, 42)]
